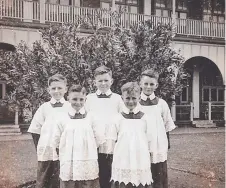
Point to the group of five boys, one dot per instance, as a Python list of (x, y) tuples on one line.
[(102, 140)]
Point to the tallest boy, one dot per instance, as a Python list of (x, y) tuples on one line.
[(104, 104)]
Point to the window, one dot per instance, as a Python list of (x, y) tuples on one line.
[(213, 10), (212, 94), (164, 8), (181, 5), (206, 95), (184, 95), (131, 6), (221, 95)]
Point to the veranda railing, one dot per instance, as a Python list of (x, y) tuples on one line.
[(39, 11)]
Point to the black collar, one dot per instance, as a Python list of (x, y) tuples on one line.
[(138, 115), (78, 116), (149, 102), (57, 104), (104, 96)]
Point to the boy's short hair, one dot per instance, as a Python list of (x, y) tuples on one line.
[(130, 87), (150, 73), (102, 70), (77, 88), (57, 78)]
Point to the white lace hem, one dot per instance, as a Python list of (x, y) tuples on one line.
[(79, 170), (135, 177), (158, 157)]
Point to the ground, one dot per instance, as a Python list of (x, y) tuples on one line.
[(195, 161)]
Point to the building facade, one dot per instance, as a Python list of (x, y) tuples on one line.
[(199, 36)]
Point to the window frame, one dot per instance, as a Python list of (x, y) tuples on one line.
[(187, 98), (217, 95)]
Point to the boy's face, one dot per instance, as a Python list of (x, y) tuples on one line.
[(103, 82), (77, 100), (148, 85), (57, 90), (130, 99)]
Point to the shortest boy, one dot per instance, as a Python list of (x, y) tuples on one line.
[(77, 139), (41, 128)]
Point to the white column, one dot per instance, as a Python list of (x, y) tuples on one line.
[(113, 5), (147, 7), (16, 115), (195, 92), (42, 11), (192, 112), (174, 16), (76, 3), (28, 11), (209, 111), (173, 110)]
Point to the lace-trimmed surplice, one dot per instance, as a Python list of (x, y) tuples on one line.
[(131, 158), (77, 140)]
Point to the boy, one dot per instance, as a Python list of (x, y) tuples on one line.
[(153, 105), (104, 104), (133, 134), (77, 139), (41, 128)]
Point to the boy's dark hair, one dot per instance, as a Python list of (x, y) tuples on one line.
[(77, 88), (57, 78), (102, 70), (130, 87), (150, 73)]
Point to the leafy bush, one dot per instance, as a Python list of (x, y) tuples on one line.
[(63, 50)]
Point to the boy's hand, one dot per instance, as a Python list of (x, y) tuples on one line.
[(167, 133), (35, 139)]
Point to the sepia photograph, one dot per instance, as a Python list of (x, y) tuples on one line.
[(112, 94)]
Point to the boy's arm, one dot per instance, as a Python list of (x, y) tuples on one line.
[(111, 134), (168, 120), (56, 136), (36, 125), (35, 139)]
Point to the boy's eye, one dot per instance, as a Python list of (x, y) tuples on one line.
[(81, 100), (152, 84), (145, 84), (74, 99), (134, 98)]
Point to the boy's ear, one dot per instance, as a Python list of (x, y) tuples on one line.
[(112, 81), (95, 82), (157, 85), (48, 90)]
